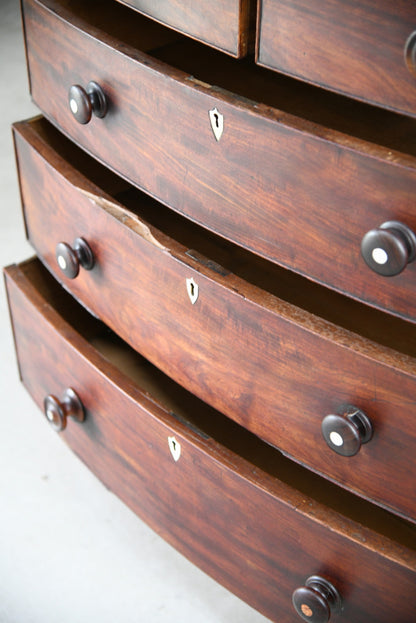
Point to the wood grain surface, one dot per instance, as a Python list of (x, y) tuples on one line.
[(356, 48), (272, 366), (298, 178), (250, 529), (228, 25)]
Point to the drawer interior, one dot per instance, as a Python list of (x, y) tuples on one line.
[(315, 301), (130, 31), (205, 421)]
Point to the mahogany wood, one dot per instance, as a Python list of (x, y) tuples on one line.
[(252, 531), (356, 48), (300, 189), (228, 25), (273, 367)]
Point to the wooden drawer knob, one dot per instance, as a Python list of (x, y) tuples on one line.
[(70, 259), (388, 249), (410, 53), (317, 600), (57, 412), (84, 103), (345, 431)]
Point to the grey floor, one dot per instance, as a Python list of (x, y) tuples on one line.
[(69, 550)]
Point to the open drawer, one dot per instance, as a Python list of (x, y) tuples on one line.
[(256, 522), (298, 176), (274, 352)]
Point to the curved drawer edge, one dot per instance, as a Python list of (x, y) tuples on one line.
[(171, 154), (232, 520), (233, 329)]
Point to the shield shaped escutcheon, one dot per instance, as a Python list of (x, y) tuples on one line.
[(217, 122), (175, 448), (192, 289)]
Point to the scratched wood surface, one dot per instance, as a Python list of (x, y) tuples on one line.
[(298, 178), (228, 25), (230, 503), (356, 48), (274, 361)]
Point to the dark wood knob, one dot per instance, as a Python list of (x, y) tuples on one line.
[(70, 259), (388, 249), (57, 412), (345, 431), (410, 53), (317, 600), (84, 103)]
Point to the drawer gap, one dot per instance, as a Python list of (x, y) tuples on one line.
[(129, 31), (203, 421), (186, 239)]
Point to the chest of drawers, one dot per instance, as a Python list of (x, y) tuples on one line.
[(244, 377)]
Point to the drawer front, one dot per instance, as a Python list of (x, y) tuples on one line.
[(270, 366), (356, 48), (300, 195), (225, 24), (253, 533)]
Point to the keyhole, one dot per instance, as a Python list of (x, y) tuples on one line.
[(216, 120), (175, 448), (192, 289)]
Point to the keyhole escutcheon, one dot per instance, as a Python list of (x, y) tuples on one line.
[(217, 122), (192, 289)]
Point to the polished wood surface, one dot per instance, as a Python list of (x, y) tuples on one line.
[(274, 367), (298, 178), (356, 48), (207, 502), (228, 25)]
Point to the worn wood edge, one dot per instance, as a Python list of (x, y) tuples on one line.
[(82, 184), (292, 122), (247, 19), (324, 329), (312, 510)]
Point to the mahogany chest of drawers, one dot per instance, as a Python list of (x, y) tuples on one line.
[(224, 299)]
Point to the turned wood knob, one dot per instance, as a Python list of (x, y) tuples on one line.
[(345, 431), (317, 600), (410, 53), (70, 259), (388, 249), (84, 103), (57, 412)]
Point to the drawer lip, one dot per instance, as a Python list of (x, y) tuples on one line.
[(210, 460), (73, 202), (371, 184), (364, 55)]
